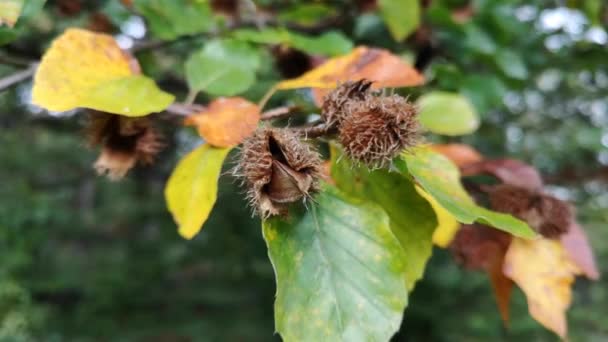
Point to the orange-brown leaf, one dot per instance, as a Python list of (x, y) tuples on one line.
[(545, 272), (577, 246), (479, 247), (459, 154), (227, 121), (502, 287), (378, 65)]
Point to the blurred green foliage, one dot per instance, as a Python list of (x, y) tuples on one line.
[(85, 259)]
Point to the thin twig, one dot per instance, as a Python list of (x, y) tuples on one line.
[(278, 113), (314, 131), (183, 109), (17, 77)]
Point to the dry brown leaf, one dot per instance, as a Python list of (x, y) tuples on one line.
[(509, 171), (577, 246), (543, 269), (502, 287), (484, 248), (459, 154), (226, 122)]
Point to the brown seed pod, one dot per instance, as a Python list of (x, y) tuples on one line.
[(277, 169), (548, 215), (377, 129), (125, 141), (478, 247), (334, 103)]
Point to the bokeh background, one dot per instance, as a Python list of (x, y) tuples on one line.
[(86, 259)]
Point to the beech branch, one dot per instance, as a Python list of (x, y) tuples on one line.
[(17, 77), (278, 113)]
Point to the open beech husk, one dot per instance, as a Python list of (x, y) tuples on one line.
[(277, 169), (124, 141)]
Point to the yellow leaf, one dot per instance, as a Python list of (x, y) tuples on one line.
[(192, 188), (378, 65), (9, 11), (447, 226), (544, 271), (227, 121), (78, 62)]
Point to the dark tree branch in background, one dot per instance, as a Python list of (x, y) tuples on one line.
[(16, 61), (17, 77)]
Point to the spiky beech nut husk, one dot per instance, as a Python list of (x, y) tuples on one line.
[(478, 247), (377, 129), (124, 141), (278, 169), (334, 103), (548, 215)]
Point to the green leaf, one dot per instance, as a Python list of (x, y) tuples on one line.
[(486, 92), (412, 219), (223, 67), (339, 271), (27, 10), (511, 64), (401, 16), (330, 43), (7, 35), (169, 19), (593, 10), (135, 95), (441, 179), (191, 190), (447, 113), (477, 40), (307, 14)]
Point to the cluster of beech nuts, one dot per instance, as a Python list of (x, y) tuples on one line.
[(279, 168), (546, 214)]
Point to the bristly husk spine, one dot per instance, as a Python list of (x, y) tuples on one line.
[(124, 141), (277, 168), (377, 129)]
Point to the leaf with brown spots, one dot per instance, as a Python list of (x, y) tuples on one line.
[(339, 271), (378, 65), (227, 121), (543, 269)]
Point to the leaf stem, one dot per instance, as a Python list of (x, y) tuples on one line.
[(267, 97), (277, 113), (191, 97)]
